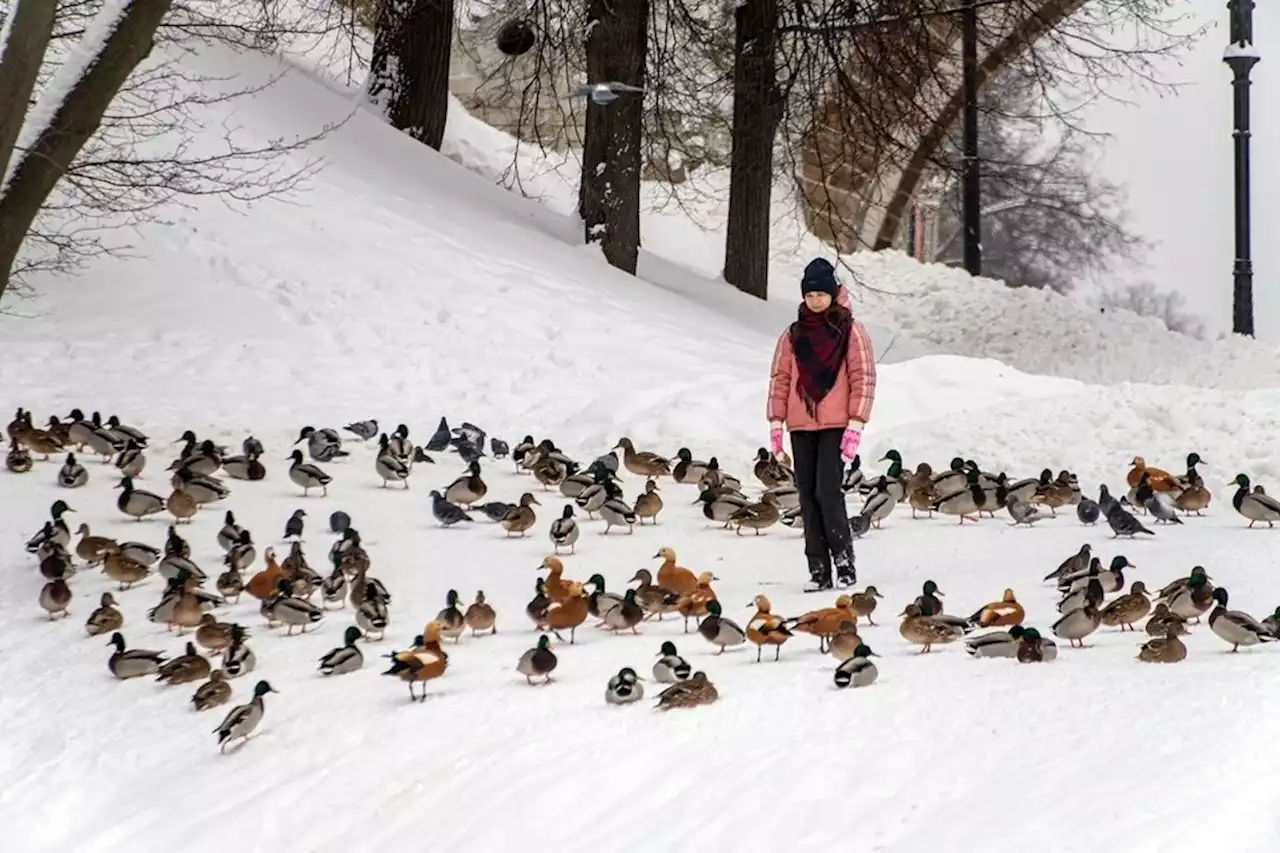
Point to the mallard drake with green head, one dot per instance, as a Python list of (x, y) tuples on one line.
[(718, 630), (967, 502), (1194, 598), (688, 470), (137, 503), (345, 658), (721, 506), (994, 644), (132, 663), (857, 671), (624, 688), (538, 661), (1077, 624), (307, 476), (1255, 506), (243, 719), (1235, 626)]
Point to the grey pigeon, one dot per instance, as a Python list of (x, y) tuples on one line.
[(859, 524), (364, 430), (1088, 511), (339, 522), (603, 94), (1024, 513), (448, 514), (252, 447), (1162, 509), (293, 527), (501, 450), (1105, 500), (493, 510), (469, 452), (440, 438), (1123, 523), (469, 433)]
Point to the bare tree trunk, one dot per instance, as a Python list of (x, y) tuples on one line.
[(30, 28), (595, 142), (619, 41), (75, 120), (409, 69), (756, 111)]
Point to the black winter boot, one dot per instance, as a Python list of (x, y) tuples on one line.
[(819, 574), (846, 569)]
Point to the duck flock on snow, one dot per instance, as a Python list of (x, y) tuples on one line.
[(287, 589)]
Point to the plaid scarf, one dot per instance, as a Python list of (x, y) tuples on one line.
[(820, 343)]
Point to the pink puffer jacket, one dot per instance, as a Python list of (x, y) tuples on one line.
[(851, 399)]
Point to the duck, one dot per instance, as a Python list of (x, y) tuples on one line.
[(108, 616), (538, 661), (265, 583), (203, 488), (695, 691), (920, 628), (564, 531), (653, 598), (757, 516), (182, 506), (557, 585), (238, 659), (72, 475), (323, 445), (642, 463), (995, 644), (346, 657), (624, 688), (18, 459), (452, 622), (648, 503), (573, 485), (93, 549), (1090, 593), (521, 517), (175, 545), (44, 442), (1235, 626), (126, 432), (693, 605), (567, 614), (616, 513), (1075, 625), (137, 503), (784, 497), (536, 609), (1128, 609), (468, 489), (1160, 480), (825, 622), (290, 611), (1194, 599), (1161, 618), (131, 663), (92, 435), (688, 471), (333, 587), (625, 615), (1033, 648), (425, 662), (853, 477), (894, 476), (721, 506), (55, 596), (308, 476), (229, 533), (1164, 649), (720, 631), (245, 467), (670, 668), (676, 578), (480, 616), (1006, 611), (858, 670), (930, 597), (1256, 505), (213, 635), (240, 723), (124, 571), (967, 502), (600, 601), (879, 504), (921, 492), (766, 629), (214, 692), (399, 444), (594, 496), (1051, 492), (187, 667), (372, 614), (770, 472), (1272, 623)]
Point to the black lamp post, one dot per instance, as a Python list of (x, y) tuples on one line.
[(1241, 55), (971, 179)]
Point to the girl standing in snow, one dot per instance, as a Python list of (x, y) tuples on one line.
[(822, 387)]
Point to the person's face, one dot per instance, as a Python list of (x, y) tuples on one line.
[(817, 301)]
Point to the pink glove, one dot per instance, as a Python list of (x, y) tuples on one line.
[(775, 440), (850, 443)]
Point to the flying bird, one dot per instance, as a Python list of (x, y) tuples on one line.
[(603, 94)]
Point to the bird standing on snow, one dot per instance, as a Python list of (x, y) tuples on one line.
[(565, 531), (324, 445), (624, 688), (364, 430), (1123, 523), (1024, 513), (857, 671), (293, 527), (243, 719), (603, 94), (448, 514), (390, 466), (308, 476), (1088, 511), (72, 475)]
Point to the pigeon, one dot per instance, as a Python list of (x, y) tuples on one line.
[(501, 450), (1123, 523), (603, 94), (339, 522), (469, 433), (1105, 500), (469, 452), (364, 430), (493, 510), (448, 514), (293, 527), (860, 524), (1088, 511), (1024, 513), (420, 455), (439, 440), (252, 447), (1162, 509)]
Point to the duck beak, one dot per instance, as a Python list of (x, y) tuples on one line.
[(877, 594), (656, 556)]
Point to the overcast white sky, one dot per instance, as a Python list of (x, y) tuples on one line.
[(1175, 155)]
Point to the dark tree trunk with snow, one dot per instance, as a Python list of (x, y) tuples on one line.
[(616, 51), (409, 68), (29, 35), (71, 121), (756, 111)]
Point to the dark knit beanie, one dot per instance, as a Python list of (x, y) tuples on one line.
[(819, 276)]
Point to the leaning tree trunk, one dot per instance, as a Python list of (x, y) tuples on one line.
[(756, 110), (30, 30), (409, 68), (617, 48), (73, 120)]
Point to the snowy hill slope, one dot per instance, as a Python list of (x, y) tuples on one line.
[(403, 288)]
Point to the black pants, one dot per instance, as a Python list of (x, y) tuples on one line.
[(819, 474)]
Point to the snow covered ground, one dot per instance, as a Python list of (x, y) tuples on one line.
[(401, 287)]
